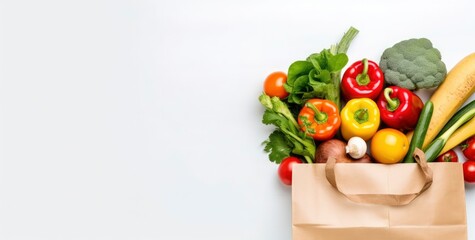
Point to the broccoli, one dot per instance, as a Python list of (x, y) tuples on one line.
[(413, 64)]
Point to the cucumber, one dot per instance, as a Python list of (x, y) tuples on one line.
[(434, 149), (436, 146), (420, 131), (457, 115)]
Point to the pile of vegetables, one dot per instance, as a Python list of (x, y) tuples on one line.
[(370, 114)]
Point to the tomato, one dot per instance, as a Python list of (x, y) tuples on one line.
[(449, 156), (389, 146), (469, 171), (468, 149), (274, 85), (285, 169)]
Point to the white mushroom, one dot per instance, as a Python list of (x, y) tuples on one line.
[(356, 147)]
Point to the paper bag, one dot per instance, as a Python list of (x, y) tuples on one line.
[(378, 202)]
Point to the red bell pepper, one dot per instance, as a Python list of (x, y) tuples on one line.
[(399, 107), (363, 79)]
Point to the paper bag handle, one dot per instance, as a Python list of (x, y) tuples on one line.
[(384, 199)]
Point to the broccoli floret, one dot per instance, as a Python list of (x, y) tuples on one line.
[(413, 64)]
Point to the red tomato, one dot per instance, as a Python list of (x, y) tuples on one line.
[(468, 149), (449, 156), (274, 85), (285, 169), (469, 171)]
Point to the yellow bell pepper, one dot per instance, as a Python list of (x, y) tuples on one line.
[(360, 117)]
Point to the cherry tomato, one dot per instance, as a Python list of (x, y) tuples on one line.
[(389, 146), (285, 169), (468, 149), (469, 171), (274, 85), (449, 156)]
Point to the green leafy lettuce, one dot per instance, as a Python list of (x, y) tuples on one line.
[(319, 75)]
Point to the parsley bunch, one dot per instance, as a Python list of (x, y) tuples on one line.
[(287, 137)]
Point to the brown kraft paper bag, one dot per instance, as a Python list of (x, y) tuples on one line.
[(366, 201)]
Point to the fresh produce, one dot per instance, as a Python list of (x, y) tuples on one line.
[(399, 108), (389, 146), (285, 169), (458, 86), (313, 123), (453, 119), (356, 147), (436, 146), (420, 131), (287, 138), (360, 117), (449, 156), (413, 64), (363, 79), (337, 149), (461, 134), (319, 119), (274, 85), (319, 75), (468, 149), (469, 171)]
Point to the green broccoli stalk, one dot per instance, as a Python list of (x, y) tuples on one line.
[(413, 64)]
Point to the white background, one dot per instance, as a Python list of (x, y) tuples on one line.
[(124, 119)]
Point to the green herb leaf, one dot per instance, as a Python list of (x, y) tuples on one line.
[(298, 148), (316, 65), (337, 62), (300, 87), (298, 69), (281, 116), (277, 146), (319, 88), (265, 100), (288, 88), (312, 94), (320, 58), (271, 117), (325, 76)]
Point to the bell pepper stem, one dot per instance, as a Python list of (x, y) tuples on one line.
[(320, 117), (361, 115), (393, 103), (363, 79)]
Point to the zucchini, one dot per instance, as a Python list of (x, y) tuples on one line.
[(420, 131)]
